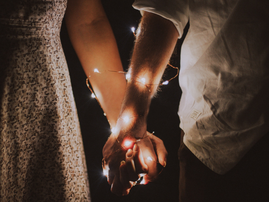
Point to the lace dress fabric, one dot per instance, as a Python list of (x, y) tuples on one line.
[(41, 150)]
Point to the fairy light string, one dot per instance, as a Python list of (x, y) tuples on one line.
[(127, 142), (167, 81), (141, 80)]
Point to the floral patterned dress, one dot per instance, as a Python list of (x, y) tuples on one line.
[(41, 150)]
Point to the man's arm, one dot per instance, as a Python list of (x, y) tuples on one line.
[(95, 45), (156, 39)]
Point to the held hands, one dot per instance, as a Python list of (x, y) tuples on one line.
[(125, 163)]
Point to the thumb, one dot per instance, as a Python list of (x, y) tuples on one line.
[(160, 149), (141, 166)]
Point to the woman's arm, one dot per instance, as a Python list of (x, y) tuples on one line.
[(93, 40)]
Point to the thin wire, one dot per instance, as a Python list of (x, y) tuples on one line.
[(123, 72), (176, 73)]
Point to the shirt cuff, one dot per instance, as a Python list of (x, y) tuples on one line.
[(175, 11)]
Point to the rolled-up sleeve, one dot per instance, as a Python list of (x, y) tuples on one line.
[(174, 10)]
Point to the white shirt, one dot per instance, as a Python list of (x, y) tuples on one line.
[(224, 75)]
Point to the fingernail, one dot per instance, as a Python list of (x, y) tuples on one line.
[(164, 164), (135, 147), (129, 153), (122, 162)]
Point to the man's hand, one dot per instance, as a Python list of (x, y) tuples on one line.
[(125, 167), (152, 152)]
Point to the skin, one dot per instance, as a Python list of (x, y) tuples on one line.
[(155, 43), (95, 45), (93, 40)]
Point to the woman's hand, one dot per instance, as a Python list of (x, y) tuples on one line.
[(114, 156)]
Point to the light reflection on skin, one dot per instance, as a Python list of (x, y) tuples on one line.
[(142, 80), (96, 70), (114, 130), (149, 158), (105, 170), (126, 119)]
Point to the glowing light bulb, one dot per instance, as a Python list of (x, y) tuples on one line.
[(128, 76), (142, 179), (105, 171), (96, 70), (93, 96), (127, 143), (133, 29), (165, 83)]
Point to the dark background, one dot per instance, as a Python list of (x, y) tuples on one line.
[(162, 117)]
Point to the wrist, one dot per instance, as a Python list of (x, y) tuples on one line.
[(130, 125), (127, 142), (136, 101)]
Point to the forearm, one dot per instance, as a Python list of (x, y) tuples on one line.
[(155, 43), (95, 45)]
